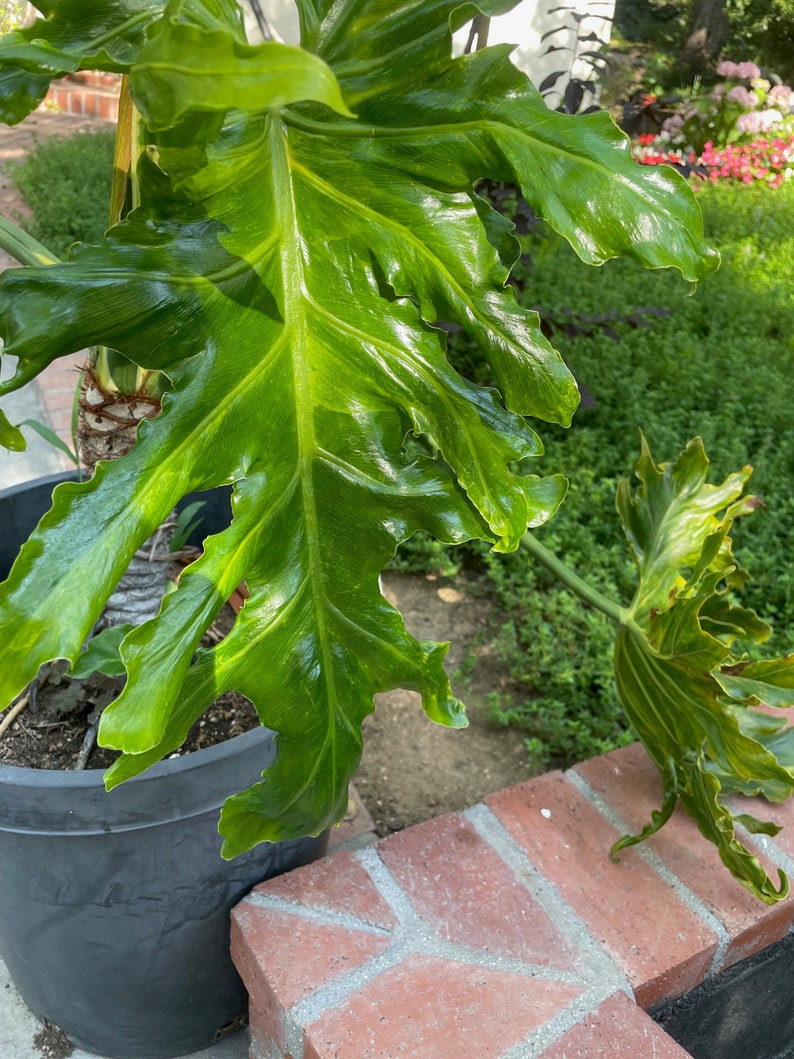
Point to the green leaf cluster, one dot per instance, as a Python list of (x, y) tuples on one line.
[(66, 183), (305, 217), (693, 703)]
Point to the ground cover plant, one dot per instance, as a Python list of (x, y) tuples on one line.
[(719, 366), (301, 221), (66, 183)]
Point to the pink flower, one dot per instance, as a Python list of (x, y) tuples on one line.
[(766, 160), (750, 122), (743, 96), (781, 96), (673, 123), (748, 70), (728, 69)]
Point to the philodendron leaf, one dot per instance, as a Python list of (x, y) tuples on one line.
[(224, 74), (11, 437), (148, 39), (288, 287), (689, 700), (102, 654), (73, 35)]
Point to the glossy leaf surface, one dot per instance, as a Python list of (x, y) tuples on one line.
[(285, 270), (689, 699)]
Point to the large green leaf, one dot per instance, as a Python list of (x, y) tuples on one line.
[(288, 287), (224, 74), (112, 35), (673, 660), (73, 35)]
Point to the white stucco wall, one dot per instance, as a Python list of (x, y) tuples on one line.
[(526, 24), (282, 16)]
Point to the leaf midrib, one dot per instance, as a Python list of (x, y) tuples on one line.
[(295, 300)]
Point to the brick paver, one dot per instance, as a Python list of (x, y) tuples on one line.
[(432, 1007), (618, 1029), (466, 893), (350, 891), (633, 788), (501, 933), (660, 944)]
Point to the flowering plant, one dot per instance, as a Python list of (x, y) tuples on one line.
[(742, 106), (768, 159), (742, 130)]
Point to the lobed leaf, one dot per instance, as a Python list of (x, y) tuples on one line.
[(673, 661), (285, 268), (225, 74)]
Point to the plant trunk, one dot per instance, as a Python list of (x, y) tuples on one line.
[(107, 425), (107, 420)]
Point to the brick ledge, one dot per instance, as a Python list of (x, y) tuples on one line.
[(504, 932)]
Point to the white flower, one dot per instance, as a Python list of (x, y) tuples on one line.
[(769, 119)]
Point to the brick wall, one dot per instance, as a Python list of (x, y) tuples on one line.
[(504, 932), (87, 93)]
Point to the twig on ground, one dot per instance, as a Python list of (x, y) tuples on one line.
[(87, 747), (13, 713)]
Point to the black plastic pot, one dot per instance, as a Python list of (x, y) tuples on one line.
[(114, 907)]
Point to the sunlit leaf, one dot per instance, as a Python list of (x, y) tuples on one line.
[(286, 267), (11, 437), (673, 661)]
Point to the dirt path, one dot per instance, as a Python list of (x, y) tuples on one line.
[(413, 769)]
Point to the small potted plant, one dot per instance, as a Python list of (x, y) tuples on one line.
[(291, 225)]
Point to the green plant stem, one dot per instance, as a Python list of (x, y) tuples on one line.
[(23, 247), (576, 584)]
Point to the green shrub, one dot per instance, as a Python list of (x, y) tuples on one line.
[(66, 183), (720, 366)]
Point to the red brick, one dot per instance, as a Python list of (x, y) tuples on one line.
[(437, 1009), (60, 385), (336, 884), (661, 946), (782, 814), (108, 107), (259, 1024), (629, 781), (262, 1044), (468, 895), (283, 959), (61, 423), (617, 1030)]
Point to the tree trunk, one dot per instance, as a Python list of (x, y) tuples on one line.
[(108, 420), (115, 396), (706, 37), (107, 426)]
